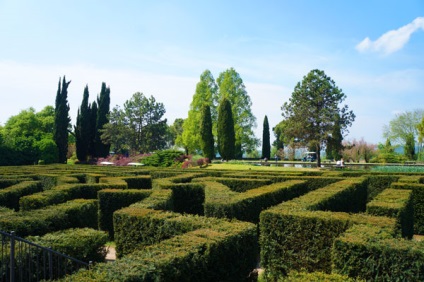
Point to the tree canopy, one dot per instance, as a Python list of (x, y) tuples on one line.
[(207, 140), (140, 126), (312, 111)]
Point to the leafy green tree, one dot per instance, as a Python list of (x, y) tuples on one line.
[(403, 125), (139, 125), (231, 86), (82, 128), (266, 142), (25, 137), (279, 135), (409, 149), (225, 128), (103, 103), (117, 132), (206, 94), (62, 120), (207, 140), (175, 133), (313, 109)]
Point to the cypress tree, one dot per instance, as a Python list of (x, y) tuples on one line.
[(82, 129), (103, 103), (92, 132), (207, 141), (266, 143), (225, 129), (61, 120)]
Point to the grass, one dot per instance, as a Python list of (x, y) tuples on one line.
[(398, 169), (246, 166)]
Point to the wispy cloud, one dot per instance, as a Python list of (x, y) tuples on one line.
[(393, 40)]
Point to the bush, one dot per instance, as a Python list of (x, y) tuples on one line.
[(84, 244), (165, 158)]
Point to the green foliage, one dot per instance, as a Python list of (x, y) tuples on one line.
[(164, 158), (111, 200), (266, 143), (48, 151), (84, 244), (206, 136), (82, 128), (403, 125), (139, 127), (9, 197), (72, 214), (409, 149), (231, 87), (372, 254), (206, 94), (313, 109), (226, 134), (103, 102), (62, 120)]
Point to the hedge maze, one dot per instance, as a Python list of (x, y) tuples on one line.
[(208, 225)]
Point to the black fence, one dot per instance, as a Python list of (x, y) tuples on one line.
[(22, 260)]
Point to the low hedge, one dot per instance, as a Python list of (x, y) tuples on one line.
[(398, 204), (72, 214), (9, 197), (418, 203), (84, 244), (224, 252), (63, 193), (139, 182), (299, 234), (373, 254), (295, 276), (111, 200), (247, 206)]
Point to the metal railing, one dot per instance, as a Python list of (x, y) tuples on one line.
[(22, 260)]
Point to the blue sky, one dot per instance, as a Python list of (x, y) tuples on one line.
[(372, 49)]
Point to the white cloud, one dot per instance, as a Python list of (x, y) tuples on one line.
[(393, 40)]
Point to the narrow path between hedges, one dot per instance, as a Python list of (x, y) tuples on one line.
[(111, 254)]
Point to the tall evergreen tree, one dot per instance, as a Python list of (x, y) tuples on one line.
[(334, 142), (61, 120), (266, 143), (232, 87), (92, 136), (225, 129), (409, 149), (82, 129), (103, 103), (207, 141)]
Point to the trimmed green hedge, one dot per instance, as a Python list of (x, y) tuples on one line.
[(63, 193), (72, 214), (9, 197), (418, 203), (247, 206), (111, 200), (299, 234), (373, 254), (84, 244), (224, 252), (397, 204)]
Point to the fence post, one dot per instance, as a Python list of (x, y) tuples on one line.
[(12, 256)]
